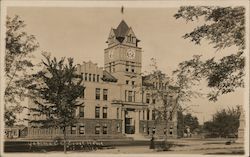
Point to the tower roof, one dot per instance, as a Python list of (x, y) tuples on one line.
[(121, 29), (121, 32)]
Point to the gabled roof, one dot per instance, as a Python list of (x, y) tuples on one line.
[(108, 77)]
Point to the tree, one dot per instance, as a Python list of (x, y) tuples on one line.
[(224, 27), (19, 48), (191, 121), (186, 120), (225, 123), (56, 95), (180, 125), (172, 96)]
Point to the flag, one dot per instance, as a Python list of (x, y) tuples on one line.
[(122, 9)]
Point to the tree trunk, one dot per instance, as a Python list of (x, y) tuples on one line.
[(64, 141)]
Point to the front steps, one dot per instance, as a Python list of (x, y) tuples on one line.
[(137, 137)]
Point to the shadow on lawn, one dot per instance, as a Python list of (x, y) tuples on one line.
[(238, 152)]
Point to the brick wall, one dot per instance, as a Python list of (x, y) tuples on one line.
[(89, 125), (171, 130)]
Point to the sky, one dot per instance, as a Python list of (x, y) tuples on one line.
[(81, 33)]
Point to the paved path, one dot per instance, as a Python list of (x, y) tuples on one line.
[(186, 146)]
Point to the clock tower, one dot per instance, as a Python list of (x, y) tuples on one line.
[(122, 58)]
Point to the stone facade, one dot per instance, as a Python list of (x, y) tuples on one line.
[(116, 98)]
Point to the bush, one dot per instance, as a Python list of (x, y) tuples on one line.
[(164, 146), (57, 140)]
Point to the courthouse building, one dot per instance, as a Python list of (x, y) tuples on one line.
[(117, 99)]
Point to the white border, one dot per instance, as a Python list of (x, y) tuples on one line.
[(131, 4)]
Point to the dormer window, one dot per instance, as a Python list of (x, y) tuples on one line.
[(129, 38), (134, 40)]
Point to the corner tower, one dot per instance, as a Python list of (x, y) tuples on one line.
[(123, 56)]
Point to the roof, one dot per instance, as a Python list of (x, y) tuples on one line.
[(121, 29), (108, 77)]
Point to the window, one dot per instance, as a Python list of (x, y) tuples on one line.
[(144, 128), (97, 93), (147, 114), (130, 96), (147, 98), (82, 75), (97, 112), (105, 112), (97, 129), (125, 95), (113, 66), (83, 94), (104, 129), (73, 129), (165, 131), (89, 77), (171, 130), (127, 81), (117, 113), (86, 76), (143, 116), (132, 70), (97, 78), (134, 96), (153, 101), (170, 117), (133, 82), (171, 98), (127, 66), (105, 94), (118, 127), (134, 39), (153, 114), (129, 38), (81, 111), (109, 67), (93, 77), (81, 129)]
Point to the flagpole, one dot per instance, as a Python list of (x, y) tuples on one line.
[(122, 12)]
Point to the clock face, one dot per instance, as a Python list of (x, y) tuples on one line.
[(131, 54), (111, 54)]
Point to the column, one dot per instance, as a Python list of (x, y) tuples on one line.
[(137, 122), (145, 114), (123, 121)]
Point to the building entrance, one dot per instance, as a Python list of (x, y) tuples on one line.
[(130, 121)]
